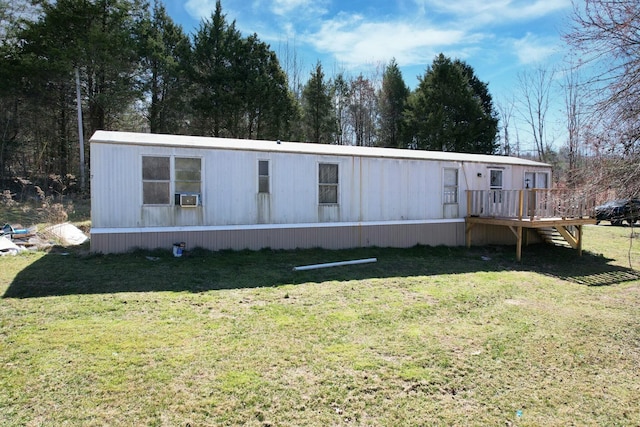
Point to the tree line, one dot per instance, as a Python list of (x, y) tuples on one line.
[(135, 69)]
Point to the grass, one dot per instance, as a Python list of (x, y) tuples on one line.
[(425, 336)]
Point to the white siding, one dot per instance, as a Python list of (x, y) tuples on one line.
[(116, 186), (370, 188)]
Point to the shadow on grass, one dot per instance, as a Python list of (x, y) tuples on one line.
[(199, 270)]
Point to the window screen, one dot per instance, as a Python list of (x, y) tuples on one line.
[(450, 186), (263, 176), (156, 175), (187, 175), (327, 183)]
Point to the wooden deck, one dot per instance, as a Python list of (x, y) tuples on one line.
[(531, 208)]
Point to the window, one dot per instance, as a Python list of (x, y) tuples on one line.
[(187, 175), (327, 183), (156, 180), (450, 186), (495, 182), (535, 180), (263, 176)]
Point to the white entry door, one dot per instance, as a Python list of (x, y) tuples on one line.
[(495, 188)]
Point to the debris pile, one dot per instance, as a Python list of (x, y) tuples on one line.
[(15, 238), (68, 234), (7, 247)]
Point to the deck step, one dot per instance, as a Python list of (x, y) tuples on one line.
[(551, 236)]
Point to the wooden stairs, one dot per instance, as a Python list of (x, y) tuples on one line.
[(552, 236)]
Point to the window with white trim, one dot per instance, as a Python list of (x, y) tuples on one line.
[(450, 186), (495, 180), (187, 181), (263, 176), (187, 175), (156, 180), (495, 184), (327, 183), (536, 180)]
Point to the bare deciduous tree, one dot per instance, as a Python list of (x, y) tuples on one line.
[(363, 111), (573, 111), (606, 35), (506, 110), (535, 91)]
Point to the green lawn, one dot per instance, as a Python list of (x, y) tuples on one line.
[(425, 336)]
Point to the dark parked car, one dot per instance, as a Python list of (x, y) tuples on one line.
[(618, 211)]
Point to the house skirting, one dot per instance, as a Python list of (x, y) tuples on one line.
[(447, 232)]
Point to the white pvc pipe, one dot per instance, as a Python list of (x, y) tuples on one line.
[(335, 264)]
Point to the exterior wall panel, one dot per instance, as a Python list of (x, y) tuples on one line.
[(370, 189), (375, 186)]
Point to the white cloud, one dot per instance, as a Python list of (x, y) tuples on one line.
[(493, 12), (200, 8), (283, 7), (268, 18), (467, 29), (532, 49), (354, 41)]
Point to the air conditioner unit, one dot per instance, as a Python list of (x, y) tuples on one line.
[(189, 200)]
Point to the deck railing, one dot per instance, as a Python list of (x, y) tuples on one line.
[(530, 203)]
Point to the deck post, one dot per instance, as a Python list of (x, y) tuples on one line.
[(532, 204), (468, 228), (579, 240), (520, 204), (519, 245)]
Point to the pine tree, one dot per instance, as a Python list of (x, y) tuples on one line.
[(165, 53), (211, 72), (392, 100), (451, 111), (268, 103), (318, 116), (98, 39)]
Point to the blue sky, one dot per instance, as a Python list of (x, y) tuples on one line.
[(498, 38)]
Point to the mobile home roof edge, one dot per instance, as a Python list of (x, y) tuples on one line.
[(201, 142)]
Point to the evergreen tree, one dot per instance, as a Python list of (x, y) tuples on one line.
[(11, 116), (240, 88), (392, 100), (268, 103), (98, 40), (318, 115), (488, 128), (214, 103), (451, 111), (165, 53)]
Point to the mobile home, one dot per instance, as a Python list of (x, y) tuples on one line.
[(151, 191)]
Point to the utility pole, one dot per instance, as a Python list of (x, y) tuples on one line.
[(80, 131)]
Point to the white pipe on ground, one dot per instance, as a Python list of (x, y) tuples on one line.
[(335, 264)]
